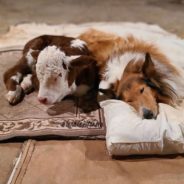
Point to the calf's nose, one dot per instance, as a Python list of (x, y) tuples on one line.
[(42, 100)]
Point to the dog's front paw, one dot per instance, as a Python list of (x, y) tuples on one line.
[(14, 97)]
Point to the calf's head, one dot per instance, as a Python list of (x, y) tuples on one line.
[(56, 74)]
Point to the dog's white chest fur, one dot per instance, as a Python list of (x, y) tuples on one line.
[(115, 67)]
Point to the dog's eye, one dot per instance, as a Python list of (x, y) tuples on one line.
[(141, 90), (60, 75)]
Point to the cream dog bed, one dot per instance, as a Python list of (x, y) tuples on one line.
[(127, 133)]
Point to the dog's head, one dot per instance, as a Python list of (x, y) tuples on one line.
[(143, 87), (56, 74)]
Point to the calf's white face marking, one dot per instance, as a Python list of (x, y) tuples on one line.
[(52, 72)]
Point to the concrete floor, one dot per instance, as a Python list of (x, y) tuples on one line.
[(167, 13)]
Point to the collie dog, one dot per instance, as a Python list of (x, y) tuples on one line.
[(135, 71)]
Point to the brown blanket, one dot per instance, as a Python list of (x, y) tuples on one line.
[(30, 118)]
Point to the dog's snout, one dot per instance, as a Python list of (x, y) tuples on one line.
[(147, 114), (42, 100)]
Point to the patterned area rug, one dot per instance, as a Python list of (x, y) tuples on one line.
[(30, 118)]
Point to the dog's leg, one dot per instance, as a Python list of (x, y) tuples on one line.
[(13, 78), (104, 84)]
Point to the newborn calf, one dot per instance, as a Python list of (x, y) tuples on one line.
[(57, 66)]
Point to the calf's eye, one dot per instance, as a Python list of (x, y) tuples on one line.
[(60, 75)]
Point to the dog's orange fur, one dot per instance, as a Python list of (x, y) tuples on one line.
[(129, 89), (105, 45)]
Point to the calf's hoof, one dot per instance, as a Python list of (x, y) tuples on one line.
[(14, 97)]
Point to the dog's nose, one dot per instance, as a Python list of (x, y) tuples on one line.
[(42, 100), (147, 114)]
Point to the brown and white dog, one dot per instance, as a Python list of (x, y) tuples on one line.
[(135, 71), (58, 66)]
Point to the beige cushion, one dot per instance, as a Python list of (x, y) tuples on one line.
[(129, 134)]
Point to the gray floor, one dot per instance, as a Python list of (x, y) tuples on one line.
[(167, 13)]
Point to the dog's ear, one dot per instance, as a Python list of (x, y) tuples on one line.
[(148, 68), (152, 76), (165, 99), (133, 67), (82, 64), (154, 79)]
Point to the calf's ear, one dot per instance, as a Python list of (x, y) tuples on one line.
[(35, 54), (82, 61)]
